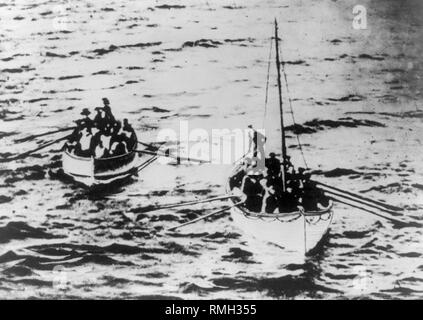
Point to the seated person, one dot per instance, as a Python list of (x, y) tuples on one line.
[(82, 148), (106, 138), (127, 127), (270, 200), (108, 111), (130, 135), (100, 120), (70, 146), (288, 201), (252, 190), (86, 121), (118, 148), (101, 151), (273, 165)]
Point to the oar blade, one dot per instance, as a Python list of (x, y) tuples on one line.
[(363, 198), (395, 221)]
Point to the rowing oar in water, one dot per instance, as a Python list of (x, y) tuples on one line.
[(173, 157), (393, 220), (204, 217), (152, 146), (357, 200), (43, 134), (387, 206), (28, 153), (182, 204)]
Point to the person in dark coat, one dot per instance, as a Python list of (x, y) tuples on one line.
[(257, 142), (108, 111), (100, 120), (253, 191), (312, 195), (130, 134), (86, 121), (270, 200), (273, 165), (74, 136), (288, 201), (119, 149)]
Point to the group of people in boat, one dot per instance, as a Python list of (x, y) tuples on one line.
[(275, 187), (101, 137), (267, 191)]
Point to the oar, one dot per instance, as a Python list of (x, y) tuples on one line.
[(173, 157), (387, 206), (203, 217), (372, 212), (330, 192), (28, 153), (43, 134), (183, 204), (150, 160), (146, 163), (149, 145)]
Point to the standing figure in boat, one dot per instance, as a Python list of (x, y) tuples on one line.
[(102, 136), (108, 111), (275, 202), (257, 142), (86, 121)]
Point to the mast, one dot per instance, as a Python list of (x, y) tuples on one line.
[(278, 63)]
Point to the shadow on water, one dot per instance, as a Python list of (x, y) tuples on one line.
[(100, 191)]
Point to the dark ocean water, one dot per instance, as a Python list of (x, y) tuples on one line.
[(358, 104)]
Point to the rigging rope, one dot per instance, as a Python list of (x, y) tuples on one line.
[(267, 83), (292, 111)]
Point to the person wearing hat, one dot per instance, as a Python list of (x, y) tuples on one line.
[(310, 195), (100, 119), (257, 142), (86, 121), (83, 147), (273, 165), (129, 132), (253, 191), (288, 201), (289, 167), (108, 111)]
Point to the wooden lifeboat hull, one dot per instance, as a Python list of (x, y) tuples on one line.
[(297, 232), (91, 172)]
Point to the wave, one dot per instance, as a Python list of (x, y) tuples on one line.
[(238, 255), (112, 48), (337, 172), (287, 286), (70, 77), (350, 97), (18, 70), (296, 62), (210, 43), (19, 230), (205, 43), (169, 6), (4, 199), (371, 57), (35, 172), (6, 134), (316, 125), (390, 188), (234, 7), (55, 55)]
